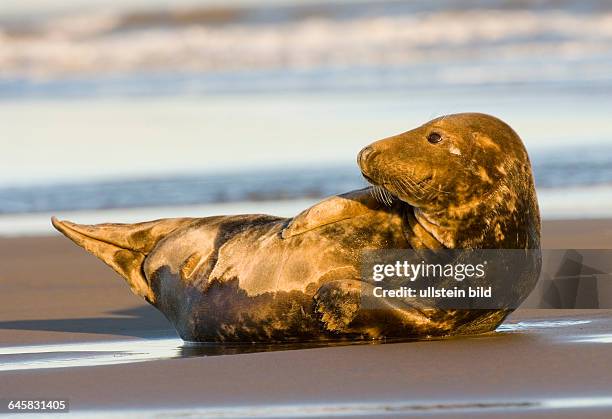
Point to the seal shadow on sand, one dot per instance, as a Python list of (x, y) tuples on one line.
[(139, 322)]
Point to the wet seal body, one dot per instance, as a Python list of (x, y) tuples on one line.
[(460, 181)]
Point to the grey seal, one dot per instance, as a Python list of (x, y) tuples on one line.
[(459, 181)]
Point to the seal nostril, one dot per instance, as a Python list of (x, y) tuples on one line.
[(365, 154)]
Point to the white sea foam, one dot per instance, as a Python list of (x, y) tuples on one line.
[(524, 44)]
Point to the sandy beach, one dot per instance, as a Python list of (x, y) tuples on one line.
[(71, 329)]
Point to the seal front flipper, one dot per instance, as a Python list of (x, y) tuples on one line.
[(332, 210), (123, 247), (339, 303)]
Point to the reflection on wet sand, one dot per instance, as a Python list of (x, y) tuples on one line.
[(489, 407), (133, 351), (512, 327), (87, 354)]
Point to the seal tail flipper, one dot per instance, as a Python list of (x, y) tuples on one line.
[(123, 247)]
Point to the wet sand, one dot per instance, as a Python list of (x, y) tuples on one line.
[(540, 363)]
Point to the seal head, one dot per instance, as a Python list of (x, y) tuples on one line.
[(467, 178)]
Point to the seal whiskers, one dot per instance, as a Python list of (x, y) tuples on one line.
[(382, 195)]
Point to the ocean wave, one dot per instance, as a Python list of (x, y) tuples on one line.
[(560, 170), (482, 44)]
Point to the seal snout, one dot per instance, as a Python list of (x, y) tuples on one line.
[(364, 155), (364, 160)]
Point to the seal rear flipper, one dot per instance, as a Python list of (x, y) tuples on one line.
[(332, 210), (123, 247)]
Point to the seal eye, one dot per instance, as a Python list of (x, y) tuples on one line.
[(434, 138)]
